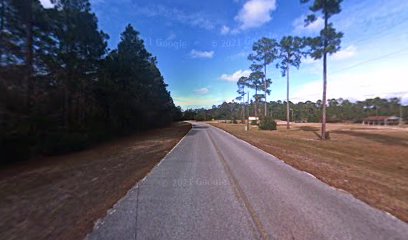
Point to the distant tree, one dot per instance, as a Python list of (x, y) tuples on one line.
[(265, 51), (242, 83), (290, 54), (339, 110), (255, 81), (189, 114), (328, 42)]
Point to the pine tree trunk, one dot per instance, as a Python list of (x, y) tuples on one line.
[(323, 132), (256, 102), (243, 106), (266, 104), (287, 99), (242, 113)]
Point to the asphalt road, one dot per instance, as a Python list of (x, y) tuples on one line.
[(215, 186)]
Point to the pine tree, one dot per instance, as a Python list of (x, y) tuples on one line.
[(290, 54), (265, 51), (328, 42)]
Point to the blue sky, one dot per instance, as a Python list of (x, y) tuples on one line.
[(202, 46)]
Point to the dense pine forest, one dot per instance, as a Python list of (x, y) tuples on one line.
[(62, 89)]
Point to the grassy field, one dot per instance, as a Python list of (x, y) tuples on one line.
[(61, 197), (369, 162)]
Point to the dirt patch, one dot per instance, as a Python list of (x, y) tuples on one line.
[(370, 163), (61, 197)]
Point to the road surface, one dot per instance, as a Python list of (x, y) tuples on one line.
[(215, 186)]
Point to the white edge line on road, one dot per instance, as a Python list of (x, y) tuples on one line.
[(112, 210), (309, 174), (389, 214), (313, 176)]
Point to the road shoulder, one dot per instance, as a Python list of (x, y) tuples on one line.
[(61, 197)]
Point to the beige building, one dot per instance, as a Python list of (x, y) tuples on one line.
[(381, 120)]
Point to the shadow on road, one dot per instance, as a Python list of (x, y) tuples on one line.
[(196, 128)]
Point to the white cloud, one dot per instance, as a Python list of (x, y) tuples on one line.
[(346, 53), (46, 3), (201, 54), (255, 13), (359, 85), (239, 55), (314, 27), (343, 54), (235, 76), (225, 30), (201, 91)]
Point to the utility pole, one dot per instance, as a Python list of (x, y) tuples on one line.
[(292, 111), (401, 121)]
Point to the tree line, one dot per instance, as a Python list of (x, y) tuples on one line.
[(288, 52), (62, 89), (338, 110)]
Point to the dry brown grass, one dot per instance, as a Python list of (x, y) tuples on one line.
[(61, 197), (369, 162)]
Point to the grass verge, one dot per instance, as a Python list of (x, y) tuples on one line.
[(61, 197), (371, 163)]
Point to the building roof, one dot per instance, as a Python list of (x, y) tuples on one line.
[(381, 118)]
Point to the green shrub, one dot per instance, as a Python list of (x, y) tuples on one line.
[(267, 123), (234, 121)]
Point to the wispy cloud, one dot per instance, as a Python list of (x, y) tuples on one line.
[(240, 55), (201, 54), (346, 53), (359, 85), (195, 19), (255, 13), (201, 91), (377, 16), (171, 36), (300, 27), (234, 77)]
